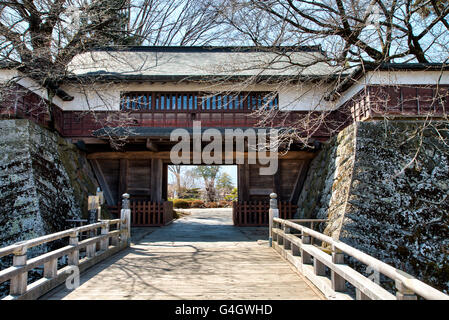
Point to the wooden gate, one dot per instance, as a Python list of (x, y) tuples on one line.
[(146, 213), (255, 213)]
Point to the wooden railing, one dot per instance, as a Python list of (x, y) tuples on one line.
[(98, 246), (326, 269)]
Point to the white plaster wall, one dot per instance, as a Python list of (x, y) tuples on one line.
[(394, 78), (304, 97), (8, 75), (307, 96), (97, 98)]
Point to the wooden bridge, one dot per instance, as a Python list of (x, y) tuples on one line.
[(203, 256)]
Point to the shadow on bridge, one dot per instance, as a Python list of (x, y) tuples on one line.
[(201, 256)]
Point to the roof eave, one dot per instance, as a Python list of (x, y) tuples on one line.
[(361, 71), (104, 77)]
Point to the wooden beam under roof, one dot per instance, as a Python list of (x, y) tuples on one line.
[(151, 145), (300, 180), (299, 155), (89, 140), (103, 182)]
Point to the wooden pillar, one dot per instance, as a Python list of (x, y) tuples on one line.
[(243, 183), (277, 181), (300, 179), (123, 177), (156, 180), (164, 181), (103, 182)]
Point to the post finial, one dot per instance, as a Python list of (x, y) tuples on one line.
[(273, 201), (125, 201)]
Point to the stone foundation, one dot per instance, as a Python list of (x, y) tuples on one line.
[(384, 187), (44, 180)]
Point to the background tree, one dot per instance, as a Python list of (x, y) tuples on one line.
[(224, 185), (190, 179), (351, 34), (41, 37), (349, 31), (176, 170), (233, 196), (44, 35), (209, 175)]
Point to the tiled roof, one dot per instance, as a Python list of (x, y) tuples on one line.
[(178, 63)]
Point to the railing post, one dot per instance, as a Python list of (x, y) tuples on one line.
[(305, 257), (318, 267), (295, 250), (273, 213), (338, 282), (51, 269), (125, 217), (91, 250), (74, 256), (18, 284), (115, 240), (359, 295), (403, 293), (125, 201), (287, 244), (278, 237)]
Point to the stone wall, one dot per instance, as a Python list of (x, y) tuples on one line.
[(327, 184), (384, 187), (44, 180)]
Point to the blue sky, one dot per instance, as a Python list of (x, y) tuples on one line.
[(232, 171)]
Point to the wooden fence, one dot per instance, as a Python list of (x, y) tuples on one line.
[(305, 249), (100, 244), (255, 213), (146, 213)]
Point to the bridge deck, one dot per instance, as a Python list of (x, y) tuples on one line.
[(201, 256)]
